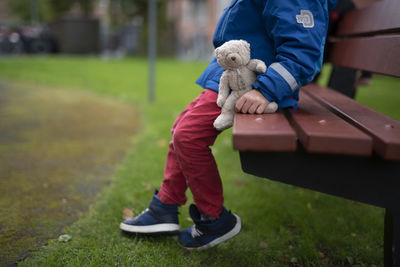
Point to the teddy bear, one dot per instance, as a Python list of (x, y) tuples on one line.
[(239, 75)]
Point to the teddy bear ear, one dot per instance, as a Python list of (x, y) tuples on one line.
[(246, 44)]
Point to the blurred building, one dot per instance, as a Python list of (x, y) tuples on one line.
[(5, 14), (79, 34), (194, 23)]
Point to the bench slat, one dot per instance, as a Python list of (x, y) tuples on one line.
[(383, 16), (376, 54), (384, 130), (266, 132), (321, 131)]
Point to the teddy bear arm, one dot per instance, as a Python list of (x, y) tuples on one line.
[(257, 65)]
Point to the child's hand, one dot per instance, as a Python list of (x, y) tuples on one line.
[(252, 102)]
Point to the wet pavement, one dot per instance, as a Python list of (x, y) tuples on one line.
[(58, 149)]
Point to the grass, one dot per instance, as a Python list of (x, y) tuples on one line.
[(282, 225), (58, 148)]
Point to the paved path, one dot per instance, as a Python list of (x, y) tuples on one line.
[(58, 148)]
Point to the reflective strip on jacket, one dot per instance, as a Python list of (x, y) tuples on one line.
[(288, 35)]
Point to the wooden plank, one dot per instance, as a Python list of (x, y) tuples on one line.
[(383, 16), (374, 54), (384, 130), (265, 132), (321, 131)]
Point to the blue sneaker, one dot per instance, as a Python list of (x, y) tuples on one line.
[(158, 218), (206, 234)]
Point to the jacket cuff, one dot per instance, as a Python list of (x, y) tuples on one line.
[(273, 86)]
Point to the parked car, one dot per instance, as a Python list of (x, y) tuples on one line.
[(10, 41), (37, 39), (26, 39)]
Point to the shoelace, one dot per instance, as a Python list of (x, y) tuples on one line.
[(196, 232)]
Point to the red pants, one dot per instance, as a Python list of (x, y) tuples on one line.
[(190, 162)]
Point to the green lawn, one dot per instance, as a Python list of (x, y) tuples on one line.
[(282, 225)]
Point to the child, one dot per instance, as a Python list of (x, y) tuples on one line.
[(289, 37)]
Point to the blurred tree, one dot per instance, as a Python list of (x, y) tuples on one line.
[(56, 8), (24, 9), (86, 6), (123, 12), (47, 10)]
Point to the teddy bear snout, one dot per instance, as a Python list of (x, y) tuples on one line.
[(234, 59)]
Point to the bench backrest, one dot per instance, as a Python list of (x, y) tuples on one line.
[(369, 39)]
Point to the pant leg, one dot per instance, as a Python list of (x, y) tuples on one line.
[(174, 185), (193, 134)]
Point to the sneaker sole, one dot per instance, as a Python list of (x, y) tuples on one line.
[(151, 229), (223, 238)]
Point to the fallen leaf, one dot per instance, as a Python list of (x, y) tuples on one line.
[(215, 151), (239, 182), (350, 260), (263, 244), (161, 143), (147, 186), (127, 213), (64, 238)]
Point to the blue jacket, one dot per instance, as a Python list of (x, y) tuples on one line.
[(288, 35)]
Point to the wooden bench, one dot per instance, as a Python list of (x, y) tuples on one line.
[(331, 143)]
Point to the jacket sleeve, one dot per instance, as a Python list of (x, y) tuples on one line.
[(298, 30)]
